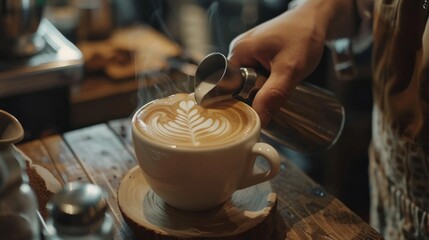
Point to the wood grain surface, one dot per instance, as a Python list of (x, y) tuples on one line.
[(102, 154), (248, 214)]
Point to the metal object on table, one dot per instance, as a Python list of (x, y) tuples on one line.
[(58, 64), (79, 210), (311, 121), (19, 21)]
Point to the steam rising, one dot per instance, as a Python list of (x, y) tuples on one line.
[(194, 26)]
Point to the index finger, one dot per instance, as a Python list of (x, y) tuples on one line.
[(274, 93)]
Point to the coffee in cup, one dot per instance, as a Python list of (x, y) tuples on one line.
[(194, 158)]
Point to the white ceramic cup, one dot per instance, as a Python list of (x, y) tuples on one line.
[(203, 176)]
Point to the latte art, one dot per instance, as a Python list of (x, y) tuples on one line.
[(179, 120), (189, 124)]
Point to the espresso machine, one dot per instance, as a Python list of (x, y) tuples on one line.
[(38, 67)]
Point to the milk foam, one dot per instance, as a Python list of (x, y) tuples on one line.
[(179, 120)]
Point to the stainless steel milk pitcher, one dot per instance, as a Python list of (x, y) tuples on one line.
[(310, 122)]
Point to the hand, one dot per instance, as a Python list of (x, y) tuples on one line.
[(289, 46)]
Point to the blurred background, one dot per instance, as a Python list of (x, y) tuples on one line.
[(68, 64)]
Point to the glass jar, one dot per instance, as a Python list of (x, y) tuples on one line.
[(18, 204)]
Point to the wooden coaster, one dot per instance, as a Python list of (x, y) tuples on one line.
[(249, 214)]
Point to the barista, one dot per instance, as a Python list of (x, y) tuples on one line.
[(290, 46)]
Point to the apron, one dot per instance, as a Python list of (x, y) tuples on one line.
[(399, 151)]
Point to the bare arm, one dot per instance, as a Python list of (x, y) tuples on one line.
[(290, 47)]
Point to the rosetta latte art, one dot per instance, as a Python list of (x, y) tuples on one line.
[(178, 120), (189, 125)]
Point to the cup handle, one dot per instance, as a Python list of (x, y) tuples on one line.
[(271, 156)]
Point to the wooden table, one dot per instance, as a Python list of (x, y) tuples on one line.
[(103, 153)]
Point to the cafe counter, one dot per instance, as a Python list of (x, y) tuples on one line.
[(102, 154)]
